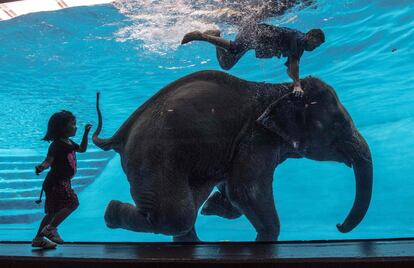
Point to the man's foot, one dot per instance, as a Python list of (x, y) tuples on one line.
[(40, 242), (196, 35), (213, 32), (51, 233)]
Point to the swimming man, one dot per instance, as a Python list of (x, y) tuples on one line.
[(268, 41)]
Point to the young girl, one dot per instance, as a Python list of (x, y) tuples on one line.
[(61, 200)]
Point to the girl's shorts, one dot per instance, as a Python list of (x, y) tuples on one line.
[(59, 195)]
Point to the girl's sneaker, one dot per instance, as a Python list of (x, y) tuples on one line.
[(40, 242), (51, 233)]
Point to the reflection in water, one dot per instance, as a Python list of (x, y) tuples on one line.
[(368, 248)]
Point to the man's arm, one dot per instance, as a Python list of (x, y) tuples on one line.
[(293, 72), (84, 144)]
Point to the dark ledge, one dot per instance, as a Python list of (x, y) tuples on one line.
[(350, 253)]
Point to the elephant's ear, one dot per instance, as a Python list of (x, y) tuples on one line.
[(286, 118)]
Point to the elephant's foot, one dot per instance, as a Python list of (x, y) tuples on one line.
[(191, 236), (267, 236), (127, 216), (219, 205), (111, 214), (174, 221)]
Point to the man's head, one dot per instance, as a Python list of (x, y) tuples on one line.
[(313, 39)]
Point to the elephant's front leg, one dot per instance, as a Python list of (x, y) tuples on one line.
[(191, 236), (250, 188), (254, 197), (200, 194)]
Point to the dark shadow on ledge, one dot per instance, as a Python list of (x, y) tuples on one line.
[(344, 253)]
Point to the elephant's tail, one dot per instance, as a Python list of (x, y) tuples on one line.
[(104, 144)]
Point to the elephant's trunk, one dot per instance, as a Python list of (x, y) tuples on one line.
[(358, 152), (104, 144)]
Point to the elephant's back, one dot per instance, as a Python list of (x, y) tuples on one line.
[(212, 84), (195, 96), (200, 101), (200, 112)]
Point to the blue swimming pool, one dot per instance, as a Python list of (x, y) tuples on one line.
[(58, 60)]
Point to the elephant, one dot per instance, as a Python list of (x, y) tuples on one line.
[(211, 129)]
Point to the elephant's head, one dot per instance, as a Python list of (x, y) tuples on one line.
[(318, 127)]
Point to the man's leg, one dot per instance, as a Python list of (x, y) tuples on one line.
[(212, 39), (227, 59), (228, 53)]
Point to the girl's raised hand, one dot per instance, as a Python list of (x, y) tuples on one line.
[(88, 127)]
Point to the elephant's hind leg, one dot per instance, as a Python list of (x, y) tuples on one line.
[(218, 204), (126, 216), (169, 209), (170, 220)]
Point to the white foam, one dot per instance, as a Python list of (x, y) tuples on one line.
[(158, 25), (161, 25)]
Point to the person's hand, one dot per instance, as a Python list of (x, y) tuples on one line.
[(88, 127), (297, 90), (39, 168)]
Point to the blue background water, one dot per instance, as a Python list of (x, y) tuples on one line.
[(58, 60)]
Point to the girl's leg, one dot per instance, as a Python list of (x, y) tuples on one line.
[(50, 230), (70, 203), (61, 216), (39, 241), (45, 221), (58, 196)]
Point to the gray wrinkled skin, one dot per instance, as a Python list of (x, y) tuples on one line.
[(212, 129)]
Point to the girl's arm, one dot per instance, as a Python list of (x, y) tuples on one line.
[(84, 144), (44, 165)]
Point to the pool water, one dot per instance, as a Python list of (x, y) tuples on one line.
[(58, 60)]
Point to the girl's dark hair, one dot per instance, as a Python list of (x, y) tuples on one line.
[(57, 125)]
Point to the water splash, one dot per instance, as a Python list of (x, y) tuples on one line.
[(160, 25)]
